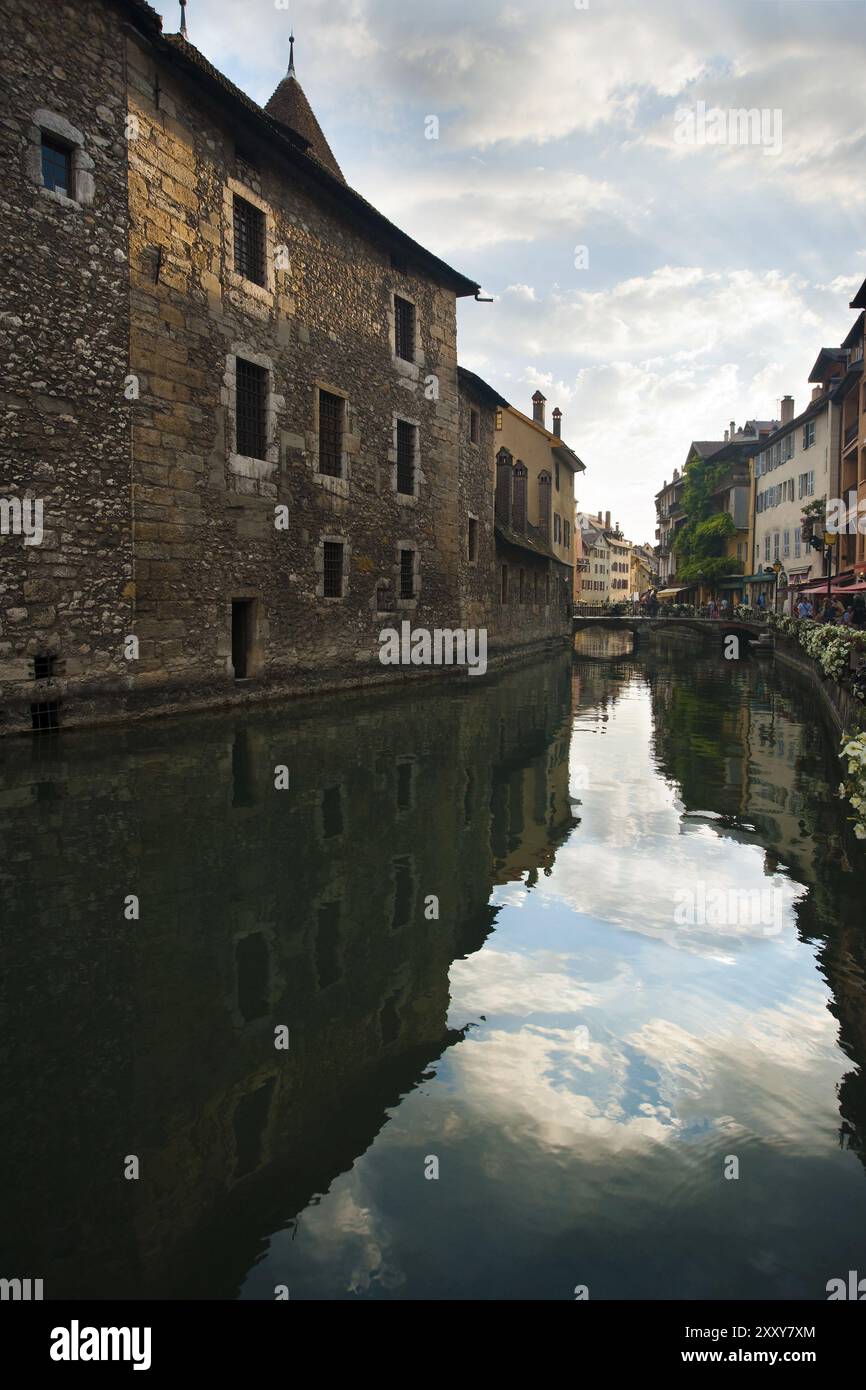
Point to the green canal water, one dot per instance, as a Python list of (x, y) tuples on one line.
[(577, 1054)]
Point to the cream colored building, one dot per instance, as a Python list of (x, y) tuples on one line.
[(595, 560), (550, 467), (794, 467)]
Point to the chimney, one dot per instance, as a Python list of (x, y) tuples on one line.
[(816, 392), (599, 516), (538, 402), (733, 430), (557, 422), (607, 521), (787, 409)]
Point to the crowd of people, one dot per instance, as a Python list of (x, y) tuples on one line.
[(831, 609)]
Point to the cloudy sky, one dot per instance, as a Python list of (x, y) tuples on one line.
[(654, 289)]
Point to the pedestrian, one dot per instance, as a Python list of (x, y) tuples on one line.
[(828, 612), (848, 617), (762, 601), (858, 608)]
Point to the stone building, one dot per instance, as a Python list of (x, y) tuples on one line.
[(232, 389)]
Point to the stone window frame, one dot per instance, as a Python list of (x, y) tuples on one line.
[(338, 486), (46, 122), (406, 499), (264, 293), (410, 370), (319, 566), (407, 604), (242, 466)]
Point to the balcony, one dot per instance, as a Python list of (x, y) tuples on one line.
[(850, 435)]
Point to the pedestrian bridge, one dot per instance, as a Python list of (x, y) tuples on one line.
[(642, 626)]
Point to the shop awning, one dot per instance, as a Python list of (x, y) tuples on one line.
[(840, 590), (672, 593)]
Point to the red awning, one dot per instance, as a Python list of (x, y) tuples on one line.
[(838, 590)]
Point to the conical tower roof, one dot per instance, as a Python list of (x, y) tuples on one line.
[(289, 105)]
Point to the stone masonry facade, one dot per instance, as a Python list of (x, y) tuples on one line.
[(181, 565)]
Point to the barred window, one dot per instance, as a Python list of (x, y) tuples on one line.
[(251, 384), (333, 569), (407, 573), (331, 411), (404, 328), (57, 165), (405, 457), (249, 225)]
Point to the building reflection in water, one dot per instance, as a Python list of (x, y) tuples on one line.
[(307, 908)]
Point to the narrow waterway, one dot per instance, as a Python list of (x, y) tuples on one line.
[(527, 1047)]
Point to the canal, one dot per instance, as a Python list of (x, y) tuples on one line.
[(567, 967)]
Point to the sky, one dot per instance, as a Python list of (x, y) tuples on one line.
[(655, 274)]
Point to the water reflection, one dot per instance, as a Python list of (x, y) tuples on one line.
[(463, 909)]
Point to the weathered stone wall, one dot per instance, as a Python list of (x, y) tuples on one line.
[(204, 517), (64, 423), (124, 328)]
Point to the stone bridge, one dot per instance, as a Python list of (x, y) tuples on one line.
[(641, 626)]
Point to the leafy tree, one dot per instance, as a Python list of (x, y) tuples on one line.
[(700, 544)]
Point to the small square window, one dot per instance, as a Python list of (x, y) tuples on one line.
[(404, 329), (45, 716), (43, 666), (57, 165), (332, 569), (249, 229), (407, 573)]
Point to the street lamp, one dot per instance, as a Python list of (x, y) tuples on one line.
[(825, 541)]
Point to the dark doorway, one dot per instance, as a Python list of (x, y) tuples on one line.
[(242, 636)]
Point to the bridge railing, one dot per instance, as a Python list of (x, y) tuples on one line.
[(669, 611)]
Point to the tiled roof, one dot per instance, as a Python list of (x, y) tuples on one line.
[(294, 146), (469, 381), (525, 541), (289, 105)]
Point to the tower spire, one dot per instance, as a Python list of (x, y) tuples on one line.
[(291, 55), (183, 18)]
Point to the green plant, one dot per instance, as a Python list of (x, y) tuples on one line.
[(854, 789)]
